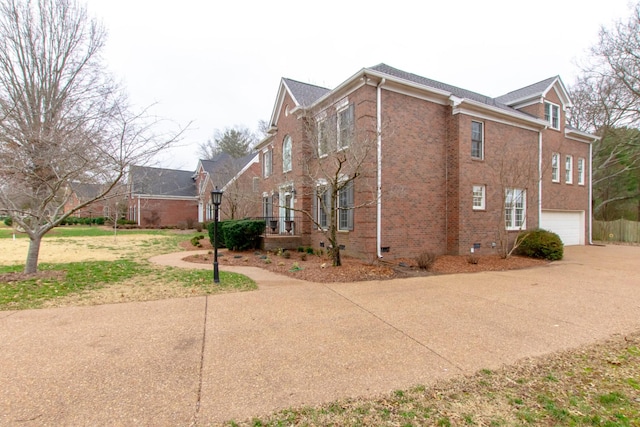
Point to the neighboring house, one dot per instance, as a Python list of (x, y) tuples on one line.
[(79, 193), (449, 169), (238, 178), (162, 197)]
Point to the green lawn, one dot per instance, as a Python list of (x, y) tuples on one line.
[(59, 280)]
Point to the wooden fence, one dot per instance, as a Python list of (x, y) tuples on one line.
[(621, 230)]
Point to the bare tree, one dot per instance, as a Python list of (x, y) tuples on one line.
[(518, 178), (63, 118), (338, 163), (237, 142), (607, 102)]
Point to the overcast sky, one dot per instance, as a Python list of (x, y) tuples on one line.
[(218, 63)]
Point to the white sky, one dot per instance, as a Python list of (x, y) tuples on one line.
[(219, 63)]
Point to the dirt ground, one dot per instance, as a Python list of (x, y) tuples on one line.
[(319, 269)]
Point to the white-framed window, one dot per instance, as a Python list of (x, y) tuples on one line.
[(515, 208), (552, 114), (580, 171), (345, 207), (568, 169), (323, 204), (478, 197), (267, 162), (555, 167), (286, 154), (267, 206), (346, 126), (323, 137), (477, 140)]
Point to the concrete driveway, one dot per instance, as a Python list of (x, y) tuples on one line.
[(208, 359)]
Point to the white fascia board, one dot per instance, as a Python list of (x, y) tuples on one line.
[(563, 94), (478, 109), (282, 91), (266, 140), (526, 102), (578, 135)]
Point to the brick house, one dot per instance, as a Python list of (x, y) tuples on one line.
[(79, 193), (446, 169), (161, 197), (239, 178)]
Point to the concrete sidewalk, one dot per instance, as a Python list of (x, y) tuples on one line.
[(208, 359)]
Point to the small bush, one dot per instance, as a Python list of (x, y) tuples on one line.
[(190, 222), (182, 225), (309, 250), (473, 259), (8, 221), (541, 244), (286, 254), (195, 240), (300, 248), (425, 260), (303, 256)]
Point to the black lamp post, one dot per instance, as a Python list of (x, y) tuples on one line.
[(216, 199)]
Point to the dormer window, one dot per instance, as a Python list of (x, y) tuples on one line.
[(552, 115)]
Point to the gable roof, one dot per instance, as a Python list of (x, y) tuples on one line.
[(536, 91), (304, 94), (161, 182), (223, 167), (85, 191)]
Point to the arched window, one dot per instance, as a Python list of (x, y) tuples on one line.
[(286, 154)]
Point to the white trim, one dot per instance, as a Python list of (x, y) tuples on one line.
[(159, 197), (550, 121), (568, 171), (481, 157), (557, 177), (483, 197)]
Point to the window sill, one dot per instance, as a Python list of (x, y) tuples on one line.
[(479, 209)]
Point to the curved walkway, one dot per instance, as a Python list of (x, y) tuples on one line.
[(203, 360)]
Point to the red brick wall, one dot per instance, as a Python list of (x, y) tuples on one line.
[(165, 212)]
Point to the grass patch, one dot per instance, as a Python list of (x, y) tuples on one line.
[(79, 231), (60, 280), (581, 387), (32, 291)]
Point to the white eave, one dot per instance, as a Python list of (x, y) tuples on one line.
[(580, 136)]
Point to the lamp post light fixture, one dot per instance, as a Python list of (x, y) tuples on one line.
[(216, 199)]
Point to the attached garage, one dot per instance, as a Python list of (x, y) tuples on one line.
[(569, 225)]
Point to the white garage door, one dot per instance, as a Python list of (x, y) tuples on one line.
[(568, 225)]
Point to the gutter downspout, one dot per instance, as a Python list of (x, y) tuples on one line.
[(539, 177), (379, 183), (590, 194), (138, 216)]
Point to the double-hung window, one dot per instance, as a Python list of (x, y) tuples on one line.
[(346, 125), (266, 163), (515, 208), (323, 137), (555, 167), (477, 140), (568, 169), (478, 197), (267, 207), (552, 114), (580, 171), (345, 207), (323, 201)]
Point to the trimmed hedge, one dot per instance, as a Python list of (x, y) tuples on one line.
[(238, 235), (541, 244)]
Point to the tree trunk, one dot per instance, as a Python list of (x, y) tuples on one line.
[(31, 266), (335, 256)]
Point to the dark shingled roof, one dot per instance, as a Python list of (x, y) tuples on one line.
[(86, 191), (162, 182), (305, 94), (460, 93), (536, 89), (222, 168)]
